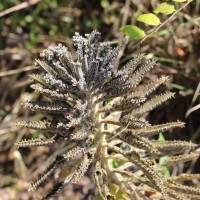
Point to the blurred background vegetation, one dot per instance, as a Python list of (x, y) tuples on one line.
[(31, 26)]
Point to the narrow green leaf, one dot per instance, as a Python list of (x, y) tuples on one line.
[(161, 137), (118, 194), (165, 171), (98, 197), (179, 0), (133, 32), (115, 164), (163, 158), (165, 8), (149, 18)]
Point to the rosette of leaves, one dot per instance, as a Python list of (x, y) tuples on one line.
[(97, 112)]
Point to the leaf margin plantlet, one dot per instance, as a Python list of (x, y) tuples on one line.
[(76, 111)]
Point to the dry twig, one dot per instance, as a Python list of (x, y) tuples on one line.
[(19, 7)]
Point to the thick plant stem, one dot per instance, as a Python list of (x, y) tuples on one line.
[(103, 150)]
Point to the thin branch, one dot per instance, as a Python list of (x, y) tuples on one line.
[(123, 42), (119, 132), (19, 7), (161, 25), (190, 109), (16, 71)]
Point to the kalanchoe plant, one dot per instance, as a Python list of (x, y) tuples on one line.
[(98, 113)]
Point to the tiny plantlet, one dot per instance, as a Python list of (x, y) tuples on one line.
[(97, 112)]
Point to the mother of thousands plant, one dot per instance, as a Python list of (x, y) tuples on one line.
[(98, 113)]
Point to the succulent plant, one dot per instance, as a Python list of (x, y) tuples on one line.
[(98, 113)]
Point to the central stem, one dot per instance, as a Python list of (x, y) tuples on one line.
[(103, 149)]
